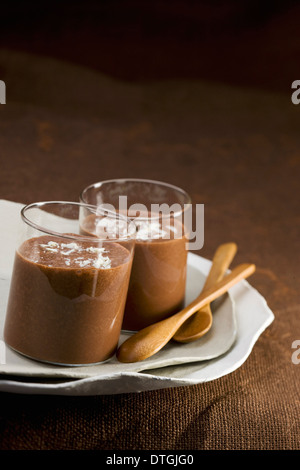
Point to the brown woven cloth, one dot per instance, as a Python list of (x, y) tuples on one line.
[(235, 150)]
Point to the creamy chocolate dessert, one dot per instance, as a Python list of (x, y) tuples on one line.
[(67, 299), (158, 276)]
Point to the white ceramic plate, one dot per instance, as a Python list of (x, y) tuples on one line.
[(239, 318)]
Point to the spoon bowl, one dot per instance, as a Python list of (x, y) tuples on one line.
[(153, 338), (200, 323)]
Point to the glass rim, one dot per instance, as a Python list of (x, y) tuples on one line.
[(98, 184), (94, 209)]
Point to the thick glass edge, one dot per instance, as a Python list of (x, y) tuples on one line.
[(98, 185), (90, 207)]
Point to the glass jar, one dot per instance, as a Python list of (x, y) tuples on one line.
[(68, 289), (158, 277)]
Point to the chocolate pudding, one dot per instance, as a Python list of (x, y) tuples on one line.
[(158, 276), (67, 300)]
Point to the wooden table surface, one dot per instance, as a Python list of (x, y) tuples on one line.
[(231, 140)]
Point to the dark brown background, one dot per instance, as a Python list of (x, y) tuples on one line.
[(197, 94)]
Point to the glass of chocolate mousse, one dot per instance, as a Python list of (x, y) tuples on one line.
[(158, 277), (68, 289)]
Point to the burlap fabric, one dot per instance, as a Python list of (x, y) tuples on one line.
[(235, 150)]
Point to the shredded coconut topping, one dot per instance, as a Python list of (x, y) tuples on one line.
[(111, 228), (99, 261), (149, 230)]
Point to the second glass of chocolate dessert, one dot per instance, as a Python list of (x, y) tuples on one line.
[(158, 277)]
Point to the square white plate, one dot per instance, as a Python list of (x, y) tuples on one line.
[(239, 319)]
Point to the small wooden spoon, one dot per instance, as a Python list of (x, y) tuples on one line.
[(200, 323), (151, 339)]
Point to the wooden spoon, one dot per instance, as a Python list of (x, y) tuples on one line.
[(151, 339), (200, 323)]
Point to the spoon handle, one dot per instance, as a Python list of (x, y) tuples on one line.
[(151, 339), (220, 263)]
